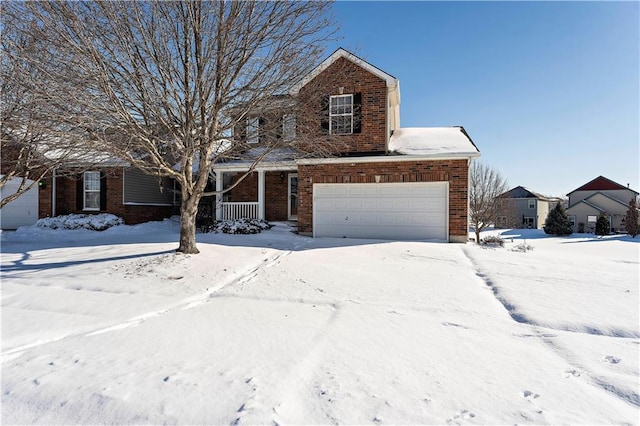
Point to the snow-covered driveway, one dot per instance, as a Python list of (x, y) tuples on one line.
[(277, 328)]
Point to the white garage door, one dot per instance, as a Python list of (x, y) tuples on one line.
[(399, 211), (22, 211)]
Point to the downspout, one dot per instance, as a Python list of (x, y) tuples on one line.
[(53, 194)]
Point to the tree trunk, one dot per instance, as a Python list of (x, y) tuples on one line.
[(188, 211), (477, 231)]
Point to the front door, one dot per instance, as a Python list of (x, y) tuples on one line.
[(293, 196)]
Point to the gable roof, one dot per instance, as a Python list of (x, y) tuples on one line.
[(588, 199), (522, 192), (601, 183), (593, 206), (341, 53)]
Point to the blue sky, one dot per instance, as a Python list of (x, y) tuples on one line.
[(548, 91)]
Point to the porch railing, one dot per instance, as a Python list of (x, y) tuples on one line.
[(239, 210)]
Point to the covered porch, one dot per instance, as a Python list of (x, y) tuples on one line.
[(269, 192)]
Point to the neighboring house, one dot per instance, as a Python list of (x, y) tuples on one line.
[(109, 187), (601, 195), (522, 208), (382, 182)]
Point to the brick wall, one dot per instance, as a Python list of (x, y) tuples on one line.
[(276, 193), (453, 171), (276, 196), (353, 79), (66, 200)]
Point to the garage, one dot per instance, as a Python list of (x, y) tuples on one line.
[(396, 211), (22, 211)]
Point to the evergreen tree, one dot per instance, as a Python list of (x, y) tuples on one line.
[(631, 220), (602, 225), (558, 222)]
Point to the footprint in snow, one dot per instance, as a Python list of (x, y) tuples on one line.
[(464, 414), (611, 359), (570, 373), (529, 396)]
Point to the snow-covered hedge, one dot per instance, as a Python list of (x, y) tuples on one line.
[(242, 226), (94, 222)]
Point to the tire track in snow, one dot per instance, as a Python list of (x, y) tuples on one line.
[(628, 396), (519, 317), (184, 304)]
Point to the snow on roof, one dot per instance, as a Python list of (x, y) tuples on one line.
[(433, 141), (524, 192)]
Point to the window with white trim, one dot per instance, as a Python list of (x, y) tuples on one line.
[(288, 127), (572, 219), (532, 204), (91, 191), (253, 128), (341, 114)]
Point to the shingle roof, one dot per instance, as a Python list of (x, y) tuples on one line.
[(600, 183)]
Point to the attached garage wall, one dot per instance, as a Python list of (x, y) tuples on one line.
[(23, 211), (402, 211), (455, 172)]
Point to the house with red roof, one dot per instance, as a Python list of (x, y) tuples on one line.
[(601, 195)]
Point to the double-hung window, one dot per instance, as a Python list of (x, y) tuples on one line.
[(288, 127), (532, 204), (253, 129), (341, 114), (91, 191)]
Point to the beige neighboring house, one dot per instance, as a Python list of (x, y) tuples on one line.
[(522, 208), (601, 195)]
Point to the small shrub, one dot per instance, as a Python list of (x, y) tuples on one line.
[(602, 225), (492, 240), (522, 248), (93, 222), (631, 219), (558, 222), (241, 226)]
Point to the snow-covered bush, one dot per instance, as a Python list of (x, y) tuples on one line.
[(492, 241), (522, 248), (242, 226), (94, 222)]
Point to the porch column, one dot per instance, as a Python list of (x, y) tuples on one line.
[(261, 194), (219, 184)]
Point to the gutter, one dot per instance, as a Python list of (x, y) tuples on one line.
[(53, 193), (389, 159)]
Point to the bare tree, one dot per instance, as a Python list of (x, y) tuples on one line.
[(485, 185), (162, 85), (36, 133)]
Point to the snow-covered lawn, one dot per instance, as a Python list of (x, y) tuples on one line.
[(113, 327)]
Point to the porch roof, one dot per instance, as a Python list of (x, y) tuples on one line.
[(266, 159), (433, 141)]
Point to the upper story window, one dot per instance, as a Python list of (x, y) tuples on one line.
[(289, 127), (253, 129), (532, 204), (91, 191), (341, 114)]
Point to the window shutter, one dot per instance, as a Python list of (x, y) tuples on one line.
[(324, 117), (103, 191), (262, 134), (80, 192), (279, 130), (357, 113)]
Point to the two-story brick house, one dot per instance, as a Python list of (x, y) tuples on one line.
[(376, 179)]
